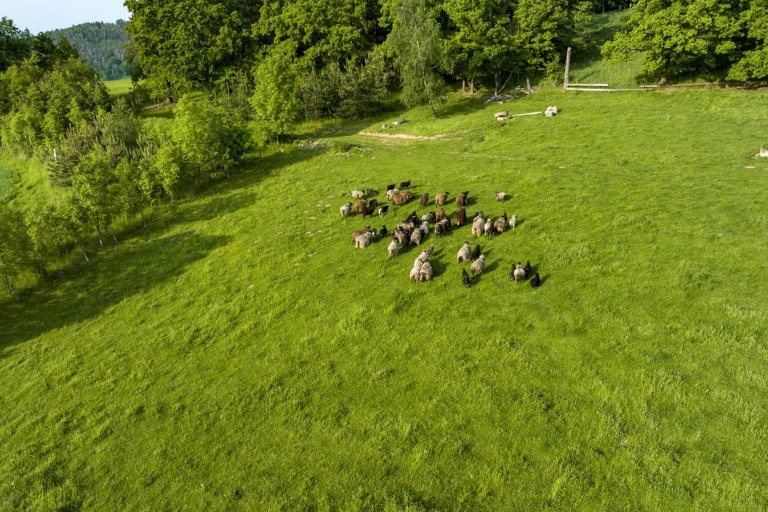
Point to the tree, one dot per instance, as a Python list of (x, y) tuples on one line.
[(415, 40), (276, 95), (14, 246), (15, 44), (680, 37), (753, 62)]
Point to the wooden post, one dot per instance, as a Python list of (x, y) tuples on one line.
[(567, 68), (528, 84)]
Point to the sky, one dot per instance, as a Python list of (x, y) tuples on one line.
[(42, 15)]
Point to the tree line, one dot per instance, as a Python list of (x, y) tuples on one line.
[(102, 46)]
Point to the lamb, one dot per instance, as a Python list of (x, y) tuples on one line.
[(414, 275), (464, 253), (360, 206), (393, 247), (536, 281), (513, 221), (358, 194), (383, 210), (478, 265), (518, 273), (500, 196), (441, 198), (425, 272), (460, 217), (345, 210), (477, 225), (465, 278), (475, 252), (424, 199)]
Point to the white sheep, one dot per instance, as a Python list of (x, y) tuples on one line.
[(345, 210), (364, 240), (519, 272), (425, 272), (414, 275), (500, 196), (477, 226), (478, 265), (513, 221), (416, 237), (464, 253), (393, 247), (488, 228), (358, 194)]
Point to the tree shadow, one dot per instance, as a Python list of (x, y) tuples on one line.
[(85, 291)]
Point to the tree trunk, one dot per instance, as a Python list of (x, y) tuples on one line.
[(143, 219), (9, 286), (82, 250), (463, 86), (472, 87), (98, 232), (432, 108)]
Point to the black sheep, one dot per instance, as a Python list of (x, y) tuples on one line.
[(405, 184), (383, 210), (390, 187), (465, 278), (527, 267), (475, 253), (536, 281), (373, 203), (383, 231)]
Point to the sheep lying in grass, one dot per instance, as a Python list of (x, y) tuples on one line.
[(477, 225), (513, 221), (345, 210), (478, 266), (464, 253), (441, 198)]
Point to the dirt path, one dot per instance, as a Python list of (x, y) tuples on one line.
[(402, 136)]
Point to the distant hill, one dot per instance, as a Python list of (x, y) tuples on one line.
[(101, 45)]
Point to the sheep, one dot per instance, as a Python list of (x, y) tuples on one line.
[(383, 231), (441, 198), (424, 199), (465, 278), (518, 273), (402, 236), (464, 253), (393, 247), (536, 281), (527, 267), (390, 187), (440, 214), (429, 217), (424, 228), (478, 265), (500, 223), (345, 210), (373, 203), (513, 221), (477, 225), (461, 199), (383, 210), (363, 231), (402, 198), (358, 194), (391, 193), (416, 237), (488, 228), (365, 240), (405, 184), (360, 206), (371, 192), (442, 226), (414, 275), (475, 253), (460, 217), (424, 256), (500, 196), (425, 272)]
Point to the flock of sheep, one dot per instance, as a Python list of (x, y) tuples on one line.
[(414, 230)]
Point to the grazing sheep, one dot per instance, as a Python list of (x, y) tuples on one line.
[(414, 275), (383, 231), (383, 210), (464, 253), (527, 267), (475, 253), (460, 217), (358, 194), (500, 196), (402, 198), (390, 187), (345, 210), (424, 199), (391, 193), (393, 247), (500, 223), (429, 217), (440, 214), (360, 206), (465, 278), (425, 272), (461, 199), (536, 281), (518, 273), (478, 265), (488, 228), (477, 225), (405, 184), (441, 198), (365, 240), (416, 237), (513, 221)]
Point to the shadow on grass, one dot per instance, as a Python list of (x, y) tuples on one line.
[(86, 290)]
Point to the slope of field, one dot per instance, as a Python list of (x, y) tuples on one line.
[(241, 355)]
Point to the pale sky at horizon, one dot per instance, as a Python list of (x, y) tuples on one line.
[(43, 15)]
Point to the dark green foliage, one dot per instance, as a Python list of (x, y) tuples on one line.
[(101, 45), (15, 44), (14, 246)]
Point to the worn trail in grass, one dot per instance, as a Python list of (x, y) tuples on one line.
[(241, 355)]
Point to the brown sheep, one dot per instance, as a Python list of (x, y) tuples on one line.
[(440, 214), (441, 198), (424, 199), (460, 217), (461, 199), (360, 206), (402, 198)]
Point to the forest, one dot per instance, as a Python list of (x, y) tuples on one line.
[(101, 45)]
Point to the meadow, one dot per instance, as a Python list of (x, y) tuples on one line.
[(240, 354)]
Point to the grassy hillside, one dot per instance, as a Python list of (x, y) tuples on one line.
[(241, 355)]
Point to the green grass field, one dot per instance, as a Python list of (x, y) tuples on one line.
[(241, 355), (118, 88)]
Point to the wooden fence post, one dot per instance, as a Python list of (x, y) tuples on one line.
[(567, 68)]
